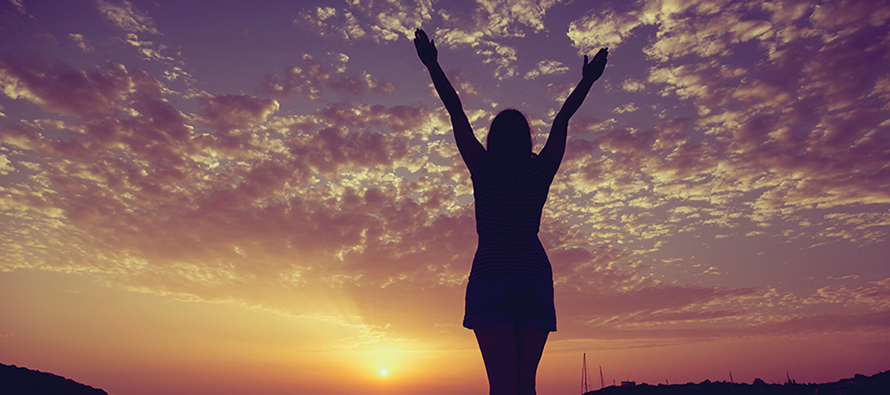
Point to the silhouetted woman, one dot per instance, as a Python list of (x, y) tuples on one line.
[(509, 302)]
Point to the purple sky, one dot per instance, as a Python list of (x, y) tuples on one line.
[(724, 200)]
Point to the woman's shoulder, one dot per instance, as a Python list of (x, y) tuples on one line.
[(540, 165)]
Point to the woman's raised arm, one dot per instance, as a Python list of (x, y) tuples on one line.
[(467, 144), (556, 143)]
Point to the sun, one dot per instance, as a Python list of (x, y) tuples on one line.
[(383, 372)]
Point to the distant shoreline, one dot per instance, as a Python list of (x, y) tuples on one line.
[(878, 384)]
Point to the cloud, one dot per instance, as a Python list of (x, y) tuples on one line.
[(17, 5), (310, 78), (629, 107), (306, 80), (700, 30), (135, 168), (143, 195), (6, 166), (876, 296), (506, 18), (355, 85), (133, 23), (602, 29), (764, 109), (380, 21), (632, 85), (775, 133), (546, 67), (480, 25), (863, 325), (229, 111), (630, 305), (59, 88), (125, 17), (484, 26), (327, 21), (79, 40), (502, 56), (149, 50)]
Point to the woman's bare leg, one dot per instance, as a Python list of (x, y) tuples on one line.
[(498, 344), (529, 348)]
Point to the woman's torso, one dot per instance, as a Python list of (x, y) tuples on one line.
[(508, 216)]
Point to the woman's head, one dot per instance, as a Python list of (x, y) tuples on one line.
[(510, 137)]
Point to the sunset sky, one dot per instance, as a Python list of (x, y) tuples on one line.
[(239, 197)]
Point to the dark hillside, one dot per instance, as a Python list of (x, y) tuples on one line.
[(21, 381)]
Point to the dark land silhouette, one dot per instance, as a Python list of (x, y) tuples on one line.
[(879, 384), (23, 381), (16, 380)]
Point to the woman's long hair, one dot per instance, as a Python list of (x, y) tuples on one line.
[(510, 138)]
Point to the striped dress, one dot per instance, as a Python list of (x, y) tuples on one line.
[(508, 216)]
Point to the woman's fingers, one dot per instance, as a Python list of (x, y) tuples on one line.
[(426, 49), (420, 35), (603, 53), (420, 39)]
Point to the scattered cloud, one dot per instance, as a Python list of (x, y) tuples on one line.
[(773, 130), (328, 21), (124, 16), (480, 25), (629, 107), (546, 67), (377, 20), (5, 166), (17, 4), (80, 42), (59, 88), (603, 29), (876, 295), (632, 85), (310, 78)]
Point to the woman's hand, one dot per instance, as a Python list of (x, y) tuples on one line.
[(593, 70), (426, 49)]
